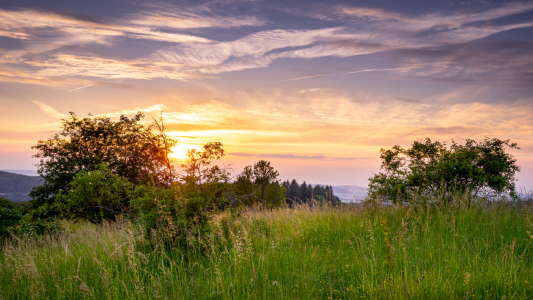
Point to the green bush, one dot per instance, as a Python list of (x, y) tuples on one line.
[(100, 196), (431, 170), (169, 216), (96, 196)]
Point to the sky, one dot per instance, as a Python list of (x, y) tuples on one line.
[(315, 87)]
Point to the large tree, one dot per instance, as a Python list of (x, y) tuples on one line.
[(130, 149), (433, 169)]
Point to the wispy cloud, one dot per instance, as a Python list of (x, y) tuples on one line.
[(386, 32), (82, 87), (366, 31), (163, 15), (295, 156), (50, 110), (58, 115)]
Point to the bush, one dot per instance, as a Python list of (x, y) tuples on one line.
[(430, 169), (96, 196)]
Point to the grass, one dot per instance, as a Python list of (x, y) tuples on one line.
[(392, 252)]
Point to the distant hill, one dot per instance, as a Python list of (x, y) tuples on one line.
[(22, 172), (350, 193), (17, 187)]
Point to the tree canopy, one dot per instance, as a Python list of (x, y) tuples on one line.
[(474, 168), (130, 149)]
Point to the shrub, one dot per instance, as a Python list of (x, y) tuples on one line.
[(429, 168), (96, 196)]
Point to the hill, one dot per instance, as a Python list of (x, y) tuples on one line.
[(22, 172), (350, 193), (17, 187)]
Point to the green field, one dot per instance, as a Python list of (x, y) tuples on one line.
[(478, 251)]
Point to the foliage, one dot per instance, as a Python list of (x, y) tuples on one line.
[(431, 168), (9, 217), (130, 149), (6, 203), (96, 196), (203, 180), (167, 214), (294, 190), (184, 209), (260, 184), (15, 220), (305, 193)]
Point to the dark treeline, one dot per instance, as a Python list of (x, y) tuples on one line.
[(305, 193)]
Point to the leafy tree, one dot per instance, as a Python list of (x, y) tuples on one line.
[(261, 183), (432, 168), (131, 150), (264, 175), (201, 178)]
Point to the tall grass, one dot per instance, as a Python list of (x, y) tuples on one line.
[(384, 252)]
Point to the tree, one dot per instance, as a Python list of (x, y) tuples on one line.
[(294, 190), (287, 185), (330, 197), (130, 149), (201, 178), (304, 192), (310, 191), (261, 183), (319, 190), (264, 175), (431, 168)]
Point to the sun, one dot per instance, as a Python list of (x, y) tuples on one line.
[(180, 151)]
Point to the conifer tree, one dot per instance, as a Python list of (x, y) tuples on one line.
[(294, 191)]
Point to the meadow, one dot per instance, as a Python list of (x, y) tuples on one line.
[(372, 251)]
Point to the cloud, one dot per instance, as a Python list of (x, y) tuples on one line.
[(70, 30), (396, 21), (50, 110), (364, 12), (295, 156), (408, 100), (56, 114), (201, 16), (72, 66), (249, 51), (381, 34), (367, 31), (481, 62)]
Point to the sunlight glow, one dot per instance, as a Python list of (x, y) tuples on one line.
[(180, 151)]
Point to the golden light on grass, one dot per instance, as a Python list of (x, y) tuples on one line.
[(180, 151)]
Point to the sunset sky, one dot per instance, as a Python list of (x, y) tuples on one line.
[(315, 87)]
